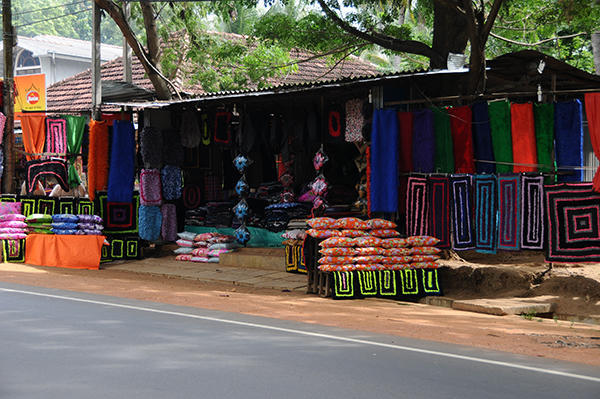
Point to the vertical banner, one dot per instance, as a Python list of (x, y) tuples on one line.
[(31, 94)]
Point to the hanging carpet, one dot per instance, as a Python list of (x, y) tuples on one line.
[(405, 133), (509, 215), (462, 225), (532, 212), (523, 137), (485, 187), (568, 128), (56, 135), (592, 111), (444, 150), (97, 172), (75, 129), (543, 115), (482, 138), (462, 139), (423, 142), (438, 191), (37, 168), (33, 135), (417, 207), (383, 173), (122, 163), (501, 138)]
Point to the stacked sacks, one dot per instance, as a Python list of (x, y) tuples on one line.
[(65, 223), (354, 244), (12, 226), (208, 247), (185, 246), (89, 225), (38, 223)]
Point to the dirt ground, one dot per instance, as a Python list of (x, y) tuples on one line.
[(548, 338)]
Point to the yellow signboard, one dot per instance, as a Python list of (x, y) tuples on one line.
[(31, 93)]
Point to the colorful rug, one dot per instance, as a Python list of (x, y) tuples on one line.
[(461, 207), (444, 151), (482, 139), (56, 168), (150, 187), (417, 207), (13, 251), (122, 163), (121, 248), (592, 111), (532, 212), (543, 115), (119, 217), (367, 282), (509, 215), (523, 137), (438, 191), (568, 130), (383, 173), (75, 129), (56, 135), (405, 134), (573, 214), (98, 158), (485, 187), (33, 136), (501, 138), (423, 142)]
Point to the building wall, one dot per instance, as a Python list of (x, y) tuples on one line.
[(61, 69)]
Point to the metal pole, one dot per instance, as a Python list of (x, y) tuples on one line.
[(126, 48), (8, 36), (96, 78)]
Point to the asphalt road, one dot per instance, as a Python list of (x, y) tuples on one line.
[(61, 344)]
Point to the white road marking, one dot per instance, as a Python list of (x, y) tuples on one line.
[(314, 334)]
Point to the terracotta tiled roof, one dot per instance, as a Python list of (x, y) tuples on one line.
[(74, 93)]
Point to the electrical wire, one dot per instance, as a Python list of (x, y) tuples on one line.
[(50, 19), (49, 8)]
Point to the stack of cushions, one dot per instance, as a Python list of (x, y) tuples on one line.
[(38, 223), (353, 244), (89, 225), (205, 247), (65, 223), (12, 226)]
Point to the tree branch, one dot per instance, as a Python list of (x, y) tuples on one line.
[(453, 5), (491, 18), (151, 31), (385, 41), (536, 43)]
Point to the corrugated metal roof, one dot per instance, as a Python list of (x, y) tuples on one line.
[(47, 44)]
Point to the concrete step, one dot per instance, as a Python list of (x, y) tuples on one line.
[(255, 258), (506, 306)]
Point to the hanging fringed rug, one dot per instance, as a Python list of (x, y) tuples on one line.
[(509, 214), (532, 212), (417, 207), (438, 190), (485, 187), (462, 225)]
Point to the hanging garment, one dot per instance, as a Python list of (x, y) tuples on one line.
[(532, 212), (568, 130), (444, 150), (151, 147), (462, 139), (405, 133), (485, 190), (509, 212), (543, 115), (438, 192), (33, 135), (111, 117), (354, 120), (482, 138), (122, 162), (423, 142), (2, 123), (523, 137), (56, 135), (417, 207), (190, 129), (97, 171), (462, 224), (501, 138), (592, 111), (573, 231), (75, 129), (36, 168), (383, 173)]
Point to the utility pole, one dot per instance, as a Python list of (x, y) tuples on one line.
[(96, 77), (8, 37), (126, 48)]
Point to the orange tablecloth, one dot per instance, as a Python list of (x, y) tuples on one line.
[(77, 252)]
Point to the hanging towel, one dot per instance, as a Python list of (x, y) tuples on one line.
[(190, 129), (151, 147), (543, 115), (523, 137), (509, 214), (405, 132), (122, 157), (383, 173), (417, 204), (485, 187), (33, 135), (461, 208), (462, 139), (423, 142), (56, 135), (501, 139), (568, 130), (592, 111), (438, 192), (482, 137), (75, 129), (2, 123), (444, 150), (98, 158)]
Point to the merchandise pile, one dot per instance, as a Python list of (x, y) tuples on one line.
[(12, 226), (204, 247), (39, 223), (352, 244)]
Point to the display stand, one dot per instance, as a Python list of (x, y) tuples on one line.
[(71, 251)]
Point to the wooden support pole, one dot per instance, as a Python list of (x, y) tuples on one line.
[(126, 49), (8, 37), (96, 77)]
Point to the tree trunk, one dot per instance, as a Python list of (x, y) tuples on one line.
[(596, 50), (449, 33), (151, 68)]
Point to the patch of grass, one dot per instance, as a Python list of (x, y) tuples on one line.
[(528, 315)]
